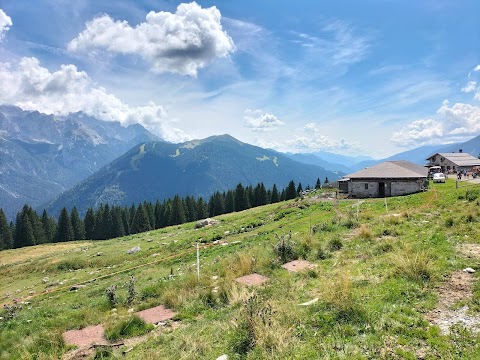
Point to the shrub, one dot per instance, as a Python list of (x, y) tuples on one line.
[(322, 254), (449, 222), (472, 194), (335, 244), (133, 326), (111, 293), (284, 249), (131, 293), (73, 264)]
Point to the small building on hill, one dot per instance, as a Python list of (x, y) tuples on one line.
[(453, 162), (390, 178)]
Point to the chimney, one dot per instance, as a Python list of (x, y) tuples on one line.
[(460, 151)]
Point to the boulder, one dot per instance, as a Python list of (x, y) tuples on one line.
[(134, 250), (205, 222)]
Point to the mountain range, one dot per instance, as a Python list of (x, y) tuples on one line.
[(43, 155), (160, 170)]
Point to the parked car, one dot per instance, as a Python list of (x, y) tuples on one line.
[(438, 178)]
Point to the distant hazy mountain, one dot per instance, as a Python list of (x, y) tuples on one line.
[(315, 160), (471, 147), (345, 160), (159, 170), (43, 155)]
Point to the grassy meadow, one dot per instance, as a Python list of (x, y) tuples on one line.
[(377, 279)]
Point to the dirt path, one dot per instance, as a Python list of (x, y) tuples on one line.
[(459, 287)]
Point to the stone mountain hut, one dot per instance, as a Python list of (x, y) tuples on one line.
[(390, 178)]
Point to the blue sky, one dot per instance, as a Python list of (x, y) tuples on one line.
[(353, 77)]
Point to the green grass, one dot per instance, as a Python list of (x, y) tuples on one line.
[(374, 287)]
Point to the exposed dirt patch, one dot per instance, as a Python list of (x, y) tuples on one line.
[(86, 336), (252, 279), (457, 288), (298, 265), (156, 314), (470, 251)]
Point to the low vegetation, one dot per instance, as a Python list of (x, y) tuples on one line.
[(376, 280)]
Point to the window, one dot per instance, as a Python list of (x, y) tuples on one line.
[(366, 186)]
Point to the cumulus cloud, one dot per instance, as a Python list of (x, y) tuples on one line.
[(182, 42), (454, 123), (5, 23), (257, 120), (32, 87), (477, 68), (314, 140), (471, 86)]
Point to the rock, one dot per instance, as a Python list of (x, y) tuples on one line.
[(31, 292), (99, 253), (214, 277), (131, 310), (149, 240), (45, 280), (77, 287), (309, 302), (205, 222), (226, 233), (235, 242), (469, 270), (223, 357), (134, 250)]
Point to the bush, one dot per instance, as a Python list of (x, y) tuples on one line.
[(74, 264), (111, 293), (284, 249), (335, 244), (472, 194), (365, 232), (449, 222), (133, 326), (322, 254)]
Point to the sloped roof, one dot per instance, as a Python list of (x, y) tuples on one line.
[(460, 159), (399, 169)]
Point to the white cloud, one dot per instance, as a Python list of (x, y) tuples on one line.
[(182, 42), (257, 120), (314, 140), (33, 87), (454, 123), (5, 23), (471, 86), (418, 132), (477, 68)]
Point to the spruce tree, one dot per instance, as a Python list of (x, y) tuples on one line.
[(24, 235), (140, 222), (158, 215), (89, 224), (177, 216), (202, 210), (229, 202), (299, 188), (77, 225), (64, 230), (275, 196), (290, 192), (49, 227), (326, 180), (5, 233), (190, 208), (318, 185), (241, 200), (117, 223)]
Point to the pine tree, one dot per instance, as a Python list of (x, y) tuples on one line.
[(89, 224), (290, 192), (140, 220), (326, 180), (216, 205), (202, 210), (190, 208), (117, 223), (318, 185), (126, 221), (23, 230), (64, 230), (177, 216), (229, 202), (77, 225), (299, 188), (5, 233), (275, 196), (49, 227), (158, 215), (241, 200)]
